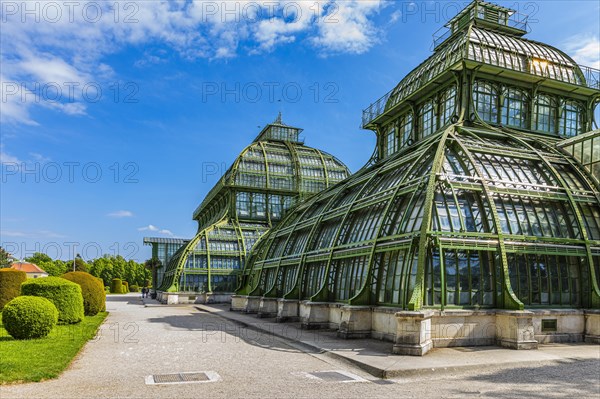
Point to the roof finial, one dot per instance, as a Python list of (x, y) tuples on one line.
[(278, 120)]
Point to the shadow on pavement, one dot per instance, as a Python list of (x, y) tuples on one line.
[(211, 328), (129, 299), (567, 376)]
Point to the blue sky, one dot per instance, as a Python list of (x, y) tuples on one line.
[(117, 118)]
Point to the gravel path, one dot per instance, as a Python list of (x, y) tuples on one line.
[(138, 341)]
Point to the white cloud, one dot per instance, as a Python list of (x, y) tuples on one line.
[(148, 228), (121, 214), (6, 158), (35, 234), (151, 227), (584, 49), (49, 234), (347, 28), (15, 108), (71, 49), (39, 157), (8, 233)]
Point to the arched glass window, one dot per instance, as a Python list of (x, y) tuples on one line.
[(448, 104), (570, 121), (514, 107), (390, 143), (243, 204), (405, 127), (427, 119), (545, 113), (485, 97)]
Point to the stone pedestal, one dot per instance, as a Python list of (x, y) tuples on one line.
[(592, 326), (253, 304), (287, 310), (356, 322), (514, 329), (314, 315), (239, 303), (570, 325), (217, 297), (267, 307), (413, 333)]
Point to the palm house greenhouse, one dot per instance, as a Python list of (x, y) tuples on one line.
[(270, 175), (477, 222)]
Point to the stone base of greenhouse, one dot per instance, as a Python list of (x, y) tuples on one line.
[(179, 298), (417, 332)]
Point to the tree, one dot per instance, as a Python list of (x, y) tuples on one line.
[(38, 258), (5, 258), (54, 268), (80, 265)]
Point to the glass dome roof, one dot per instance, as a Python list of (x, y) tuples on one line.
[(268, 177), (495, 49), (286, 167)]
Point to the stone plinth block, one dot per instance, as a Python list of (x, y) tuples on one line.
[(314, 315), (514, 329), (356, 322), (287, 310), (239, 303), (267, 307), (592, 326), (413, 333), (253, 304)]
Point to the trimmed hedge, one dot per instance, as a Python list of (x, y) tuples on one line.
[(116, 286), (10, 285), (134, 288), (92, 291), (126, 285), (27, 317), (64, 294)]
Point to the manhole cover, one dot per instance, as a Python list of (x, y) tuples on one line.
[(333, 376), (182, 378)]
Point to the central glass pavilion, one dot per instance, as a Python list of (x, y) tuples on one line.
[(270, 175), (474, 199)]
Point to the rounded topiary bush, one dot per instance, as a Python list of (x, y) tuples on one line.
[(10, 284), (116, 286), (92, 291), (64, 294), (124, 290), (134, 288), (27, 317), (126, 285)]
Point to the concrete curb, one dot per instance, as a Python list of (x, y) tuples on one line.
[(379, 372)]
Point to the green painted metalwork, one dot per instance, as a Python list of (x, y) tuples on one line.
[(585, 149), (475, 202), (269, 177)]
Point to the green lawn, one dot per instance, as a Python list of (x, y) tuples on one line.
[(40, 359)]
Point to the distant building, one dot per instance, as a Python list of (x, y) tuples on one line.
[(32, 270)]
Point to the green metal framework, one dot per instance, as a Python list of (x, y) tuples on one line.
[(468, 201), (270, 176), (586, 150), (163, 250)]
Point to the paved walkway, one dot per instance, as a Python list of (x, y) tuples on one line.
[(138, 340), (375, 356)]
